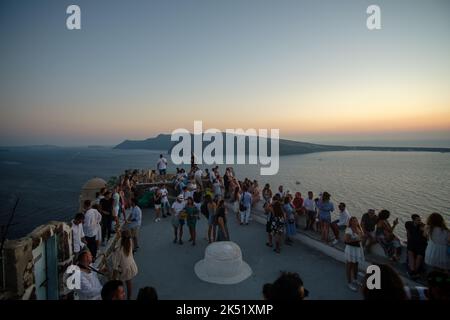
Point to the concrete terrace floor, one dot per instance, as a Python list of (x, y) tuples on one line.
[(169, 267)]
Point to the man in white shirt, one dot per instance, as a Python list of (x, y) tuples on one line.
[(177, 221), (134, 222), (90, 286), (281, 192), (198, 178), (186, 193), (161, 165), (78, 234), (341, 223), (311, 210), (90, 227), (245, 206), (165, 204)]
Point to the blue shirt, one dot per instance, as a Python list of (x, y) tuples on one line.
[(135, 217), (247, 199), (325, 208), (289, 211)]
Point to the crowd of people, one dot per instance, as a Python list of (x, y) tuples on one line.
[(222, 197), (113, 212)]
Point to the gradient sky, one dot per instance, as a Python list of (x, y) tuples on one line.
[(138, 68)]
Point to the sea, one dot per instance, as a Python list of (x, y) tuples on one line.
[(48, 180)]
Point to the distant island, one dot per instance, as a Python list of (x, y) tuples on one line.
[(287, 147)]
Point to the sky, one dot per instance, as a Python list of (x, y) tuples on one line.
[(139, 68)]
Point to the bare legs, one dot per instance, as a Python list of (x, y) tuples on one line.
[(193, 235), (180, 233), (211, 233), (158, 213), (324, 227), (175, 229), (278, 239), (129, 289), (352, 275), (335, 229), (269, 240)]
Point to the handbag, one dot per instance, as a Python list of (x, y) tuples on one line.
[(183, 215)]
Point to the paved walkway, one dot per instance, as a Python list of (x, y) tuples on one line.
[(169, 267)]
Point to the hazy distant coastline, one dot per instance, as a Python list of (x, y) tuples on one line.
[(287, 147)]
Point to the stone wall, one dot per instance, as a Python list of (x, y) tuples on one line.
[(19, 263)]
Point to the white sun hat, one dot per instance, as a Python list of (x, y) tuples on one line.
[(223, 264)]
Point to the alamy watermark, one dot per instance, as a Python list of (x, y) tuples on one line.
[(73, 280), (373, 281), (213, 153), (73, 21)]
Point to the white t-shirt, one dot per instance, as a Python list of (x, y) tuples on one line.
[(186, 194), (178, 207), (90, 286), (198, 173), (344, 217), (281, 194), (309, 204), (90, 225), (162, 164), (77, 235), (217, 188), (116, 199), (164, 194)]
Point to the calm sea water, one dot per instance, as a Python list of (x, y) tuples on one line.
[(48, 180)]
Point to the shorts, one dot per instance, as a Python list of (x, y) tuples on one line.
[(211, 219), (115, 212), (417, 250), (325, 218), (157, 206), (162, 172), (340, 227), (311, 214), (135, 232)]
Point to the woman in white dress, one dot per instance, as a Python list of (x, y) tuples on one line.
[(436, 254), (124, 266), (354, 252)]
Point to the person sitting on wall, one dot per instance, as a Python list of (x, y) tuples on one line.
[(385, 236), (416, 245), (113, 290), (341, 223), (368, 223)]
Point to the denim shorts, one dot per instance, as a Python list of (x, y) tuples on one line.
[(325, 218)]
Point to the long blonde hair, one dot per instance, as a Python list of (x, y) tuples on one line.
[(358, 226), (126, 243)]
